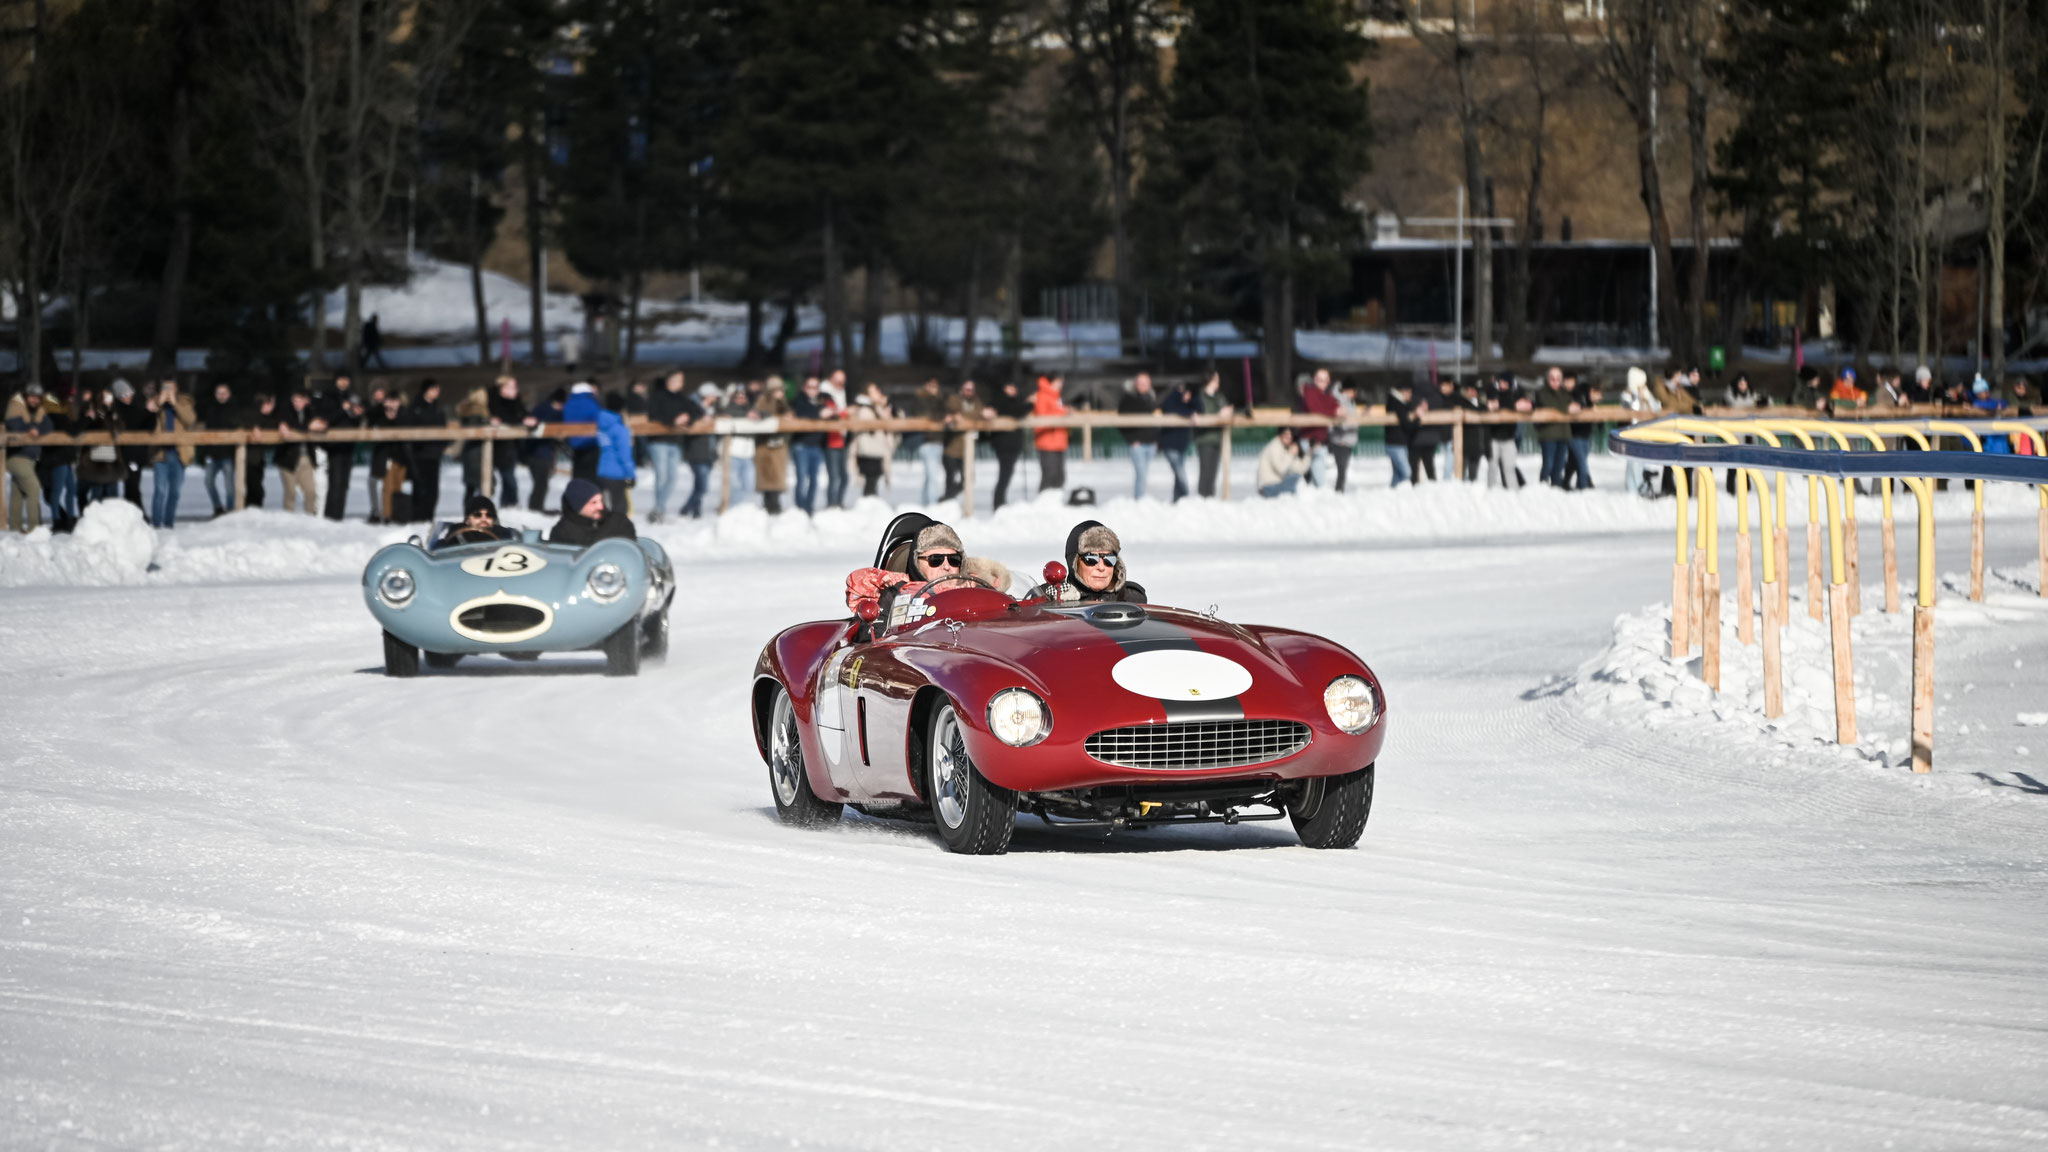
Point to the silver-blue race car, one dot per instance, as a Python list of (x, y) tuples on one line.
[(519, 598)]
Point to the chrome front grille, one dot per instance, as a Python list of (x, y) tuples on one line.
[(1200, 745)]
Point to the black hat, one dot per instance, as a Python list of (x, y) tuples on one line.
[(479, 503), (576, 493)]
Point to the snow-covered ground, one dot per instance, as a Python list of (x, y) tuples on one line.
[(253, 893)]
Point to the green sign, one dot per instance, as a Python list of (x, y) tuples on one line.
[(1717, 358)]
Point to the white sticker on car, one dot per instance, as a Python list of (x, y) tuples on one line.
[(1178, 674), (509, 561)]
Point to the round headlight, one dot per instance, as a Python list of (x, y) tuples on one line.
[(1349, 701), (1018, 718), (607, 582), (396, 586)]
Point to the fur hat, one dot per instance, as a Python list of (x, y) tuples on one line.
[(938, 536), (1637, 379), (123, 389), (1094, 536), (994, 571)]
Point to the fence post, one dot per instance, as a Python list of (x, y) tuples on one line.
[(1838, 622), (1781, 543), (967, 477), (724, 473), (2040, 545), (1223, 492), (6, 478), (1088, 443), (490, 473), (1745, 604), (1681, 644), (1457, 443), (1852, 552), (242, 474)]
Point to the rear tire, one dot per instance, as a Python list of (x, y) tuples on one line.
[(975, 817), (400, 659), (622, 651), (788, 781), (1331, 812), (654, 648), (443, 659)]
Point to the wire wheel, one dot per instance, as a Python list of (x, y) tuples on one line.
[(785, 752), (952, 772)]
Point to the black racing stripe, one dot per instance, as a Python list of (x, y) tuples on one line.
[(1144, 634), (1192, 711)]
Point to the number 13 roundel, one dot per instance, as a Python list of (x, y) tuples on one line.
[(509, 561)]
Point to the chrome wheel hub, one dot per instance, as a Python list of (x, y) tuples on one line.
[(785, 751), (951, 770)]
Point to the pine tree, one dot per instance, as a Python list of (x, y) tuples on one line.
[(1268, 129)]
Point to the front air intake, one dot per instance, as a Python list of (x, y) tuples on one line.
[(501, 619), (1200, 745)]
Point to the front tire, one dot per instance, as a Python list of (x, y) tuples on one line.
[(975, 817), (400, 659), (655, 647), (787, 779), (622, 650), (1330, 812)]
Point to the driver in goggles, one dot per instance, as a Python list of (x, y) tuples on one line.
[(937, 554), (1095, 570)]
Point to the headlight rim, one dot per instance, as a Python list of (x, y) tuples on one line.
[(397, 599), (1372, 703), (613, 568), (1044, 716)]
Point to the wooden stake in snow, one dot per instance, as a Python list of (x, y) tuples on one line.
[(1891, 568), (1745, 608), (1783, 542), (1923, 688), (1977, 547), (242, 477), (1813, 585), (490, 474), (1853, 553)]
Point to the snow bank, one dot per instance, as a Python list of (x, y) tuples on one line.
[(1634, 683), (113, 545)]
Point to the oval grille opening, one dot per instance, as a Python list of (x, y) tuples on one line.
[(1200, 745), (501, 618)]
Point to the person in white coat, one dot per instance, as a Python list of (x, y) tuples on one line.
[(1639, 397)]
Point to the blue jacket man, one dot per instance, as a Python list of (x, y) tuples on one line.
[(615, 450), (582, 408)]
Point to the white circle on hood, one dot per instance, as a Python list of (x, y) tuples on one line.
[(1180, 674)]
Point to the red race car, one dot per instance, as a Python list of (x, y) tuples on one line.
[(963, 706)]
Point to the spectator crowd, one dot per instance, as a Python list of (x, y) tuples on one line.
[(817, 469)]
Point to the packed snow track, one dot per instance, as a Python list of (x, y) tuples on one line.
[(253, 893)]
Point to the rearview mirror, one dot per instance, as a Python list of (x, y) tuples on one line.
[(1054, 572)]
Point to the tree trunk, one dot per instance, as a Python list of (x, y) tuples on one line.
[(536, 240), (170, 295), (1469, 127), (636, 282), (29, 309), (476, 277), (1120, 233), (1995, 173), (1277, 317), (828, 357), (871, 315), (1521, 343), (973, 317), (312, 174), (1697, 145), (784, 333), (353, 175), (755, 355), (1652, 189)]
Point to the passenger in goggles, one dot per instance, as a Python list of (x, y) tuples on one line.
[(1095, 570)]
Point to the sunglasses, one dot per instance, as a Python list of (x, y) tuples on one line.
[(942, 560), (1102, 559)]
